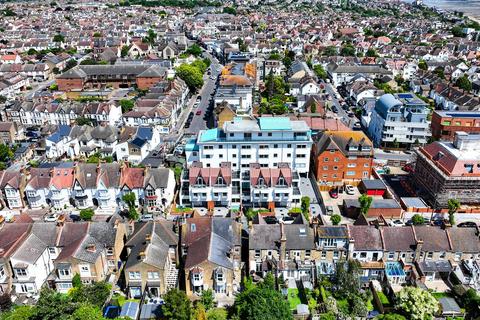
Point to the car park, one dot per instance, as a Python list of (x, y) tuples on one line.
[(349, 189)]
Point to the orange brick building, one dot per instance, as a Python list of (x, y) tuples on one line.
[(342, 156), (446, 123)]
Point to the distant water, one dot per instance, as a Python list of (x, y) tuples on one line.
[(468, 7)]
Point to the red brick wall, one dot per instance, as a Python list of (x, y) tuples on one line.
[(69, 84), (147, 83), (447, 131), (337, 170)]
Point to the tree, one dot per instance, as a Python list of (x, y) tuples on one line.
[(320, 71), (395, 143), (390, 316), (230, 10), (177, 306), (126, 105), (86, 214), (417, 219), (19, 313), (151, 37), (416, 303), (457, 31), (261, 303), (5, 302), (93, 294), (200, 313), (200, 65), (336, 219), (87, 312), (76, 281), (422, 65), (365, 203), (464, 83), (242, 46), (58, 38), (97, 34), (217, 314), (129, 199), (207, 299), (347, 279), (371, 52), (359, 308), (6, 153), (82, 121), (124, 51), (53, 305), (191, 75), (453, 205), (330, 51), (194, 50), (3, 99), (305, 205), (347, 50), (287, 62)]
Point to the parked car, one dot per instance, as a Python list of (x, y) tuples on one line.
[(467, 224), (349, 189), (333, 193), (199, 112), (270, 220), (75, 217), (329, 210), (146, 217), (397, 223), (313, 210), (53, 217), (288, 220)]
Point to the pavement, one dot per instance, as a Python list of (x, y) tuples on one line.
[(38, 86), (306, 189), (394, 155)]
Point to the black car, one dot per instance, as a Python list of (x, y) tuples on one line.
[(270, 220), (75, 217), (467, 224)]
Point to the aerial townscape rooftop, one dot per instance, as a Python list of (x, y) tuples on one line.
[(239, 159)]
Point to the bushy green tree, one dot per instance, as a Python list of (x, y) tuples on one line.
[(194, 50), (126, 105), (365, 203), (320, 71), (87, 312), (58, 38), (192, 76), (416, 303), (177, 305), (335, 219), (453, 205), (207, 299), (417, 219), (464, 83), (19, 313), (261, 302), (305, 205), (217, 314)]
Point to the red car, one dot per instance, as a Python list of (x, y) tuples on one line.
[(199, 112), (333, 193)]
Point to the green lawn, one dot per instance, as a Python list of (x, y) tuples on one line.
[(439, 295), (293, 298), (383, 298)]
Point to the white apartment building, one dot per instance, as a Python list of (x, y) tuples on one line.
[(254, 162)]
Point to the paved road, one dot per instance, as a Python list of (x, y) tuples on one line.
[(38, 87), (394, 155), (341, 113), (199, 122)]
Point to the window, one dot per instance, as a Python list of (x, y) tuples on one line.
[(109, 251), (350, 173), (52, 250), (275, 145), (430, 255), (324, 254), (352, 165), (153, 275), (325, 167), (332, 151), (363, 255), (220, 181), (2, 271), (336, 159), (21, 272), (325, 159), (246, 147), (64, 286), (269, 134), (134, 275), (301, 155), (200, 181), (391, 255), (335, 254), (220, 276), (64, 272), (150, 192), (458, 256), (85, 270), (197, 277), (308, 253), (257, 253)]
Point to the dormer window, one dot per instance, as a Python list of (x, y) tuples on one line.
[(200, 181), (261, 182), (352, 148), (219, 276), (281, 181), (220, 181), (366, 148)]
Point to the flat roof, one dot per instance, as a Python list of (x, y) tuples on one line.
[(456, 114), (374, 184), (414, 202), (209, 135), (275, 123)]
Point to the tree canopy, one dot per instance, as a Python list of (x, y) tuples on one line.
[(416, 303), (177, 305), (192, 76), (464, 83)]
